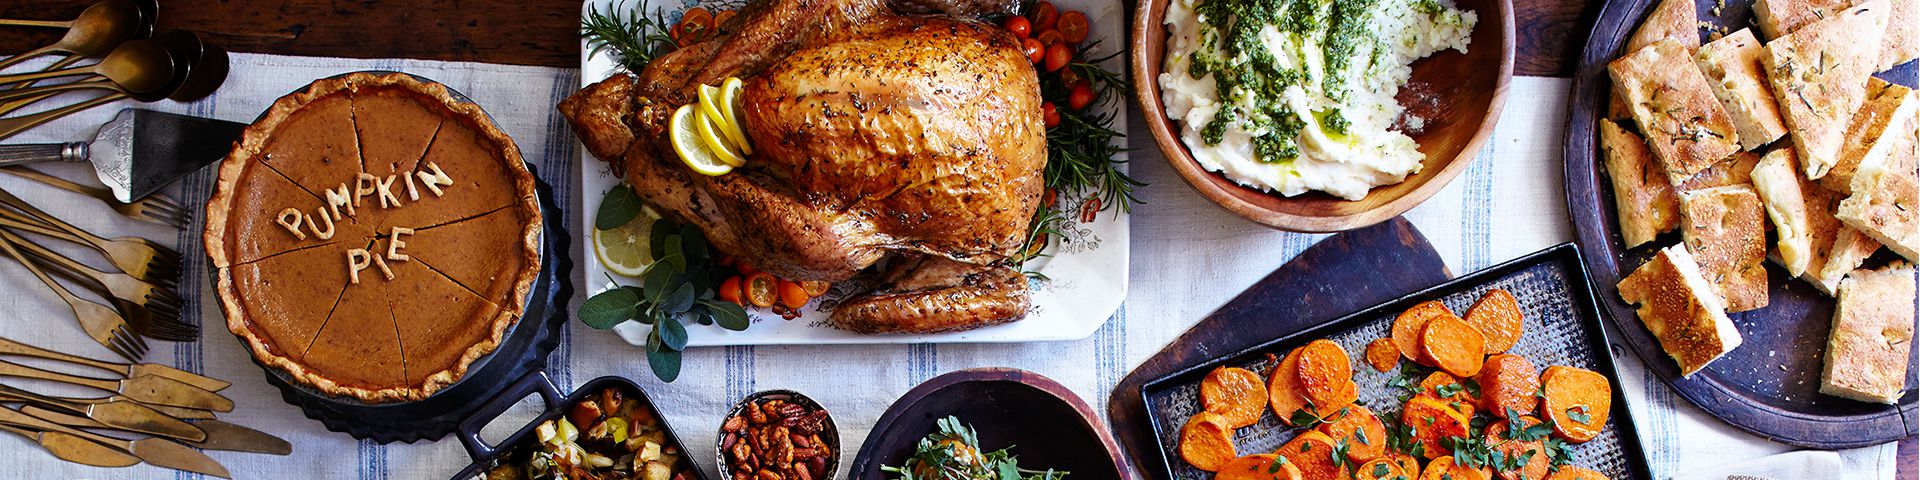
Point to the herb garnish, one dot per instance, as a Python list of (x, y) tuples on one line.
[(635, 38), (953, 452), (678, 287)]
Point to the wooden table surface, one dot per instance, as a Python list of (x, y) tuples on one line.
[(542, 32)]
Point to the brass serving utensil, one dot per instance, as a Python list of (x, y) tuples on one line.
[(182, 413), (236, 438), (183, 49), (131, 417), (146, 389), (12, 347), (137, 256), (203, 78), (73, 448), (103, 324), (95, 32), (139, 66), (157, 451), (155, 208)]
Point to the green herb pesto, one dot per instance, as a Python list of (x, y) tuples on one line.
[(1252, 81)]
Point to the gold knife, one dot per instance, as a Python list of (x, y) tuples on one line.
[(144, 389), (12, 347), (74, 449), (175, 412), (235, 438), (158, 451), (132, 417)]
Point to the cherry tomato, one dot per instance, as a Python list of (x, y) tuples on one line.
[(1048, 198), (1018, 25), (746, 269), (696, 25), (720, 19), (1049, 115), (816, 288), (1070, 79), (1050, 37), (792, 294), (1035, 50), (730, 291), (762, 289), (1044, 15), (1073, 25), (1080, 97), (1057, 56)]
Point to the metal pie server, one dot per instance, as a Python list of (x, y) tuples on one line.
[(139, 151), (131, 417), (158, 451), (143, 389)]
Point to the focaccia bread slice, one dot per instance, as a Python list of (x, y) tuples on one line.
[(1724, 227), (1819, 77), (1733, 67), (1735, 170), (1672, 19), (1885, 203), (1644, 200), (1888, 107), (1785, 194), (1685, 126), (1847, 251), (1679, 307), (1872, 335), (1902, 41)]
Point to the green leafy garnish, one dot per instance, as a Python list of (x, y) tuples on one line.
[(678, 287), (1579, 414), (618, 207), (953, 453), (635, 39)]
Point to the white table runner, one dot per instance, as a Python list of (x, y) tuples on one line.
[(1189, 257)]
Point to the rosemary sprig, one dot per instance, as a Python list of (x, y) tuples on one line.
[(1080, 151), (634, 38)]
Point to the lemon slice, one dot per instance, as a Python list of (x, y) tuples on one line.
[(735, 127), (625, 250), (710, 135), (681, 130), (710, 103)]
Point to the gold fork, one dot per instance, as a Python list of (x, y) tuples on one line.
[(137, 256), (154, 208), (101, 322), (155, 296), (156, 319)]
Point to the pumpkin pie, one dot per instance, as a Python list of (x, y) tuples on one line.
[(373, 236)]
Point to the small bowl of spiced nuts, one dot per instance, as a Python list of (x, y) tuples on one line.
[(778, 435)]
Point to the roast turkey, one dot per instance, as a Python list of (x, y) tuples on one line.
[(903, 133)]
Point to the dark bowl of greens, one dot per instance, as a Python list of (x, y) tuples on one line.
[(988, 423)]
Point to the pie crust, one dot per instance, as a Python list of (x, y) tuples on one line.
[(406, 329)]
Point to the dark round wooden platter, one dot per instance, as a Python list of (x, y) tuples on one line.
[(1044, 423), (1769, 385)]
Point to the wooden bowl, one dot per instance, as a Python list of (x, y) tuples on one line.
[(1459, 95), (1045, 423)]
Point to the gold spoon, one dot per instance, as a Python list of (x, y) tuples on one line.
[(94, 33), (139, 66), (203, 78), (184, 48)]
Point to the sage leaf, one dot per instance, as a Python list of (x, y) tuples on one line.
[(665, 363), (729, 315), (679, 301), (673, 335), (609, 308), (617, 208)]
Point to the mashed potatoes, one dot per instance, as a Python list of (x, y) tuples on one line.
[(1297, 95)]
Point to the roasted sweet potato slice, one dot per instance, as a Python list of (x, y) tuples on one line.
[(1326, 377), (1382, 355), (1433, 422), (1206, 442), (1449, 343), (1407, 327), (1570, 472), (1508, 382), (1259, 466), (1312, 453), (1443, 468), (1577, 402), (1497, 315), (1441, 386), (1524, 444), (1407, 463), (1283, 388), (1366, 437), (1234, 393), (1381, 469)]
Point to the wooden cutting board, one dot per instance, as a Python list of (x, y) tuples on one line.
[(1340, 275)]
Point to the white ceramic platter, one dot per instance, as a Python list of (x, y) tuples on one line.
[(1086, 272)]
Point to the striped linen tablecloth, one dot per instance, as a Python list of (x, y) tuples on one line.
[(1508, 203)]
